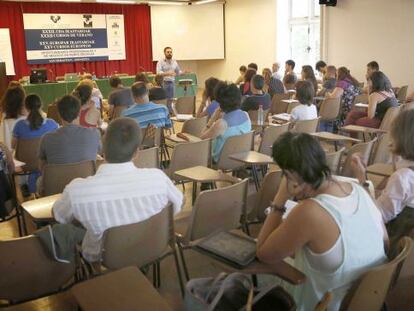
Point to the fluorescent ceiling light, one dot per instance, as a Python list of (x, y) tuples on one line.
[(204, 1), (166, 2)]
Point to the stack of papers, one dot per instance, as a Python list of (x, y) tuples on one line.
[(282, 116), (184, 117)]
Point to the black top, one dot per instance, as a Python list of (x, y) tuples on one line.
[(383, 106), (254, 101), (157, 93)]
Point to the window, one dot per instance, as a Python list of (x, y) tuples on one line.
[(299, 26)]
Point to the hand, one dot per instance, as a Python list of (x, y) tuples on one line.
[(282, 194), (358, 167)]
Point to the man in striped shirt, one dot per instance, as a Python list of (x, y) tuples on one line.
[(118, 194), (145, 112)]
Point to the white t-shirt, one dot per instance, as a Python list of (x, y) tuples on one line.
[(304, 112)]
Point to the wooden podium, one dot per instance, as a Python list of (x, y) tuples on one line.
[(3, 79)]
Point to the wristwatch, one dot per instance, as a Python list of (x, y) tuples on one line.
[(274, 208), (365, 184)]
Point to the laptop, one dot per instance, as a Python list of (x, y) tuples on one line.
[(71, 77)]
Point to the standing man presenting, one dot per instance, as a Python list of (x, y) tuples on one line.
[(168, 68)]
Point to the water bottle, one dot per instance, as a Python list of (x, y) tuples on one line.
[(93, 76), (260, 115)]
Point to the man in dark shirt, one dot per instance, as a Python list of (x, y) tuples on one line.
[(258, 98), (158, 92), (120, 95)]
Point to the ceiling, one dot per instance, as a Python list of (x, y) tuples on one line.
[(151, 2)]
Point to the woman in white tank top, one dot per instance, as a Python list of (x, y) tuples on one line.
[(335, 232)]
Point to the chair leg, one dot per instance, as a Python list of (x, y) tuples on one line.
[(177, 266), (154, 275), (180, 250), (19, 223), (158, 265)]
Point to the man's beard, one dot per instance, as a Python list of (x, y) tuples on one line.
[(168, 56)]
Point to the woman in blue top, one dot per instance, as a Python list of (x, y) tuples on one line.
[(34, 126), (208, 104), (229, 120)]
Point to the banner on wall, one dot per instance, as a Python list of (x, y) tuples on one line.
[(6, 51), (60, 38)]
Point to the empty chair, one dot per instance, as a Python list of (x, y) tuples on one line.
[(185, 105), (188, 155), (305, 126), (381, 152), (277, 105), (333, 159), (270, 134), (26, 151), (142, 244), (28, 272), (194, 126), (371, 290), (213, 211), (57, 176), (330, 111), (52, 113), (234, 144), (147, 158), (363, 149), (402, 94)]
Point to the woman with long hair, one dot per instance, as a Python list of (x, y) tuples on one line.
[(208, 103), (245, 86), (308, 75), (89, 116)]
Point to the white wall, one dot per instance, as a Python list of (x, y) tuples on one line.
[(358, 32), (250, 36)]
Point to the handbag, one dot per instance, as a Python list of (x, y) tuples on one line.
[(234, 292)]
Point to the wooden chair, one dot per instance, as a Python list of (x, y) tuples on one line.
[(185, 105), (232, 145), (330, 111), (28, 272), (333, 159), (57, 176), (291, 106), (364, 149), (402, 94), (371, 290), (194, 126), (117, 112), (188, 155), (361, 98), (147, 158), (305, 126), (142, 244), (277, 105), (270, 134), (152, 137), (26, 151), (53, 113), (214, 210)]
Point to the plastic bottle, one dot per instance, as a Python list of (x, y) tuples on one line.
[(93, 76), (260, 116)]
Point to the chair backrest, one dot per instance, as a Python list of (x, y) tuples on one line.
[(147, 158), (330, 109), (185, 105), (361, 98), (160, 102), (267, 192), (234, 144), (389, 117), (381, 152), (194, 126), (26, 151), (152, 136), (188, 155), (116, 113), (57, 176), (52, 113), (28, 271), (253, 115), (333, 159), (371, 291), (217, 210), (138, 244), (406, 270), (277, 105), (291, 106), (402, 94), (270, 134), (305, 126), (364, 149)]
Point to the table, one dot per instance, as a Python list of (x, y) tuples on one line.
[(40, 210), (63, 301), (254, 159), (381, 169), (49, 92), (192, 139), (124, 289), (182, 117), (334, 137), (289, 101)]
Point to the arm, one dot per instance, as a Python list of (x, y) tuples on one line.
[(201, 112), (174, 195), (62, 209), (215, 130), (372, 105), (216, 116), (336, 93)]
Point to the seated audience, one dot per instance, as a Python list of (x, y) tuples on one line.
[(275, 71), (233, 121), (119, 193), (34, 126), (245, 86), (89, 116), (96, 96), (321, 67), (242, 71), (396, 201), (329, 81), (371, 68), (157, 92), (289, 82), (258, 97), (208, 103), (70, 143), (119, 96), (308, 75), (253, 66), (290, 75), (267, 75), (341, 232), (141, 77), (145, 112), (380, 99), (306, 110), (13, 110), (347, 87), (410, 97), (273, 85)]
